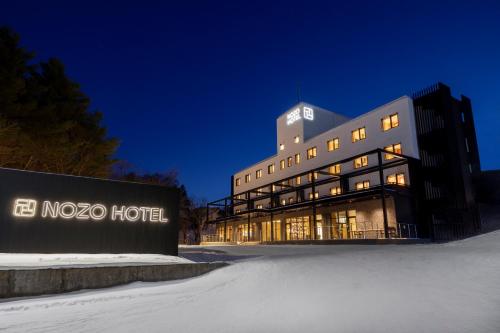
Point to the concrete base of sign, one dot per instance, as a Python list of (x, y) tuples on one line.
[(41, 281)]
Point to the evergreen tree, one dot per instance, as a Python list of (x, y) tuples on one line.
[(45, 122)]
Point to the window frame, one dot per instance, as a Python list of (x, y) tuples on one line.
[(335, 144), (359, 131), (312, 153), (393, 122)]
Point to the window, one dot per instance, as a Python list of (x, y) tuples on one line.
[(282, 146), (359, 134), (335, 190), (360, 162), (238, 181), (297, 158), (291, 200), (289, 161), (332, 144), (259, 206), (283, 202), (259, 192), (390, 122), (398, 179), (238, 211), (270, 169), (363, 185), (296, 139), (395, 148), (282, 164), (258, 174), (316, 195), (247, 178), (312, 175), (298, 180), (334, 169), (312, 153)]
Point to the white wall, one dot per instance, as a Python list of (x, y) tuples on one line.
[(405, 134)]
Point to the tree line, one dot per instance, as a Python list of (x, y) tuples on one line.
[(46, 125)]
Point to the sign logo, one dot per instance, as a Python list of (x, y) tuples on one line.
[(293, 116), (24, 208), (27, 208)]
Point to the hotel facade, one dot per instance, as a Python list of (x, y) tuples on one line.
[(404, 170)]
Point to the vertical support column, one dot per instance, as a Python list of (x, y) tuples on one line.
[(272, 213), (313, 189), (382, 192), (225, 221), (248, 214)]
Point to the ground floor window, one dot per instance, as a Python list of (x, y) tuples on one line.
[(266, 230), (343, 224), (298, 228), (244, 235)]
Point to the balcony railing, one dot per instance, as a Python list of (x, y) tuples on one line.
[(270, 195)]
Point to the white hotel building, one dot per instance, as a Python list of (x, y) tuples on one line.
[(335, 178)]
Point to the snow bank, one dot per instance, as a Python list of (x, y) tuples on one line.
[(350, 288), (24, 260)]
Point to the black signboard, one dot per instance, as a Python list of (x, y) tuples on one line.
[(50, 213)]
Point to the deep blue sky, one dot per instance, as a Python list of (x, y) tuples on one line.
[(197, 86)]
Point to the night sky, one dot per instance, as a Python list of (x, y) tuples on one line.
[(197, 86)]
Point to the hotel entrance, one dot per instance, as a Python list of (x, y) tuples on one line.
[(298, 228), (242, 234)]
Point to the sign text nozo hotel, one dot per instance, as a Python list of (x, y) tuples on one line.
[(29, 208)]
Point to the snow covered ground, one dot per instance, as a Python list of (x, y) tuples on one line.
[(25, 260), (452, 287)]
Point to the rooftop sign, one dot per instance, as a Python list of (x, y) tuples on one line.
[(297, 114)]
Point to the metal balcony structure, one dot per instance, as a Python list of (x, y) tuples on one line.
[(241, 205)]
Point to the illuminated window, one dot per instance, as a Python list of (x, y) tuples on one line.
[(395, 148), (258, 174), (398, 179), (259, 192), (297, 158), (247, 178), (334, 169), (316, 195), (362, 185), (390, 122), (282, 164), (259, 206), (238, 181), (291, 200), (360, 162), (270, 169), (238, 211), (312, 153), (335, 190), (282, 146), (332, 144), (298, 180), (358, 134), (289, 161), (312, 175), (283, 202), (296, 139)]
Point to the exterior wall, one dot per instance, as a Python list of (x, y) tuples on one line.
[(449, 163), (405, 134)]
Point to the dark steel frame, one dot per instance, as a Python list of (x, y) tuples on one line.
[(227, 205)]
